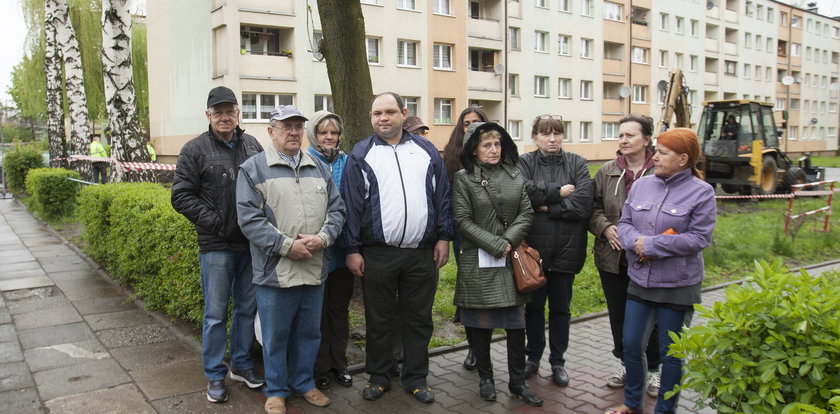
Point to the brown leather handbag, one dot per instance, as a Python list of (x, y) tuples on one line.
[(525, 260)]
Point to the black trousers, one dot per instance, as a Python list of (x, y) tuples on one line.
[(615, 291), (100, 172), (479, 340), (411, 274), (335, 324), (558, 292)]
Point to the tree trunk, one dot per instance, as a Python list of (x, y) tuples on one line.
[(75, 85), (127, 143), (344, 49), (55, 97)]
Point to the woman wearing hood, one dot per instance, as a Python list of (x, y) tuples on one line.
[(634, 159), (324, 132)]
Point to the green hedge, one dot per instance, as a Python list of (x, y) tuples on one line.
[(51, 195), (132, 229), (17, 162)]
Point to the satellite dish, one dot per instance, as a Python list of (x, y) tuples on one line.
[(834, 86), (813, 121), (787, 80), (710, 5), (662, 85), (499, 69), (624, 91)]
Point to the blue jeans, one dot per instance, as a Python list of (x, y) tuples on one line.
[(638, 323), (222, 273), (291, 330)]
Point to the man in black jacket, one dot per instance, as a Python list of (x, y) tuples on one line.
[(204, 191)]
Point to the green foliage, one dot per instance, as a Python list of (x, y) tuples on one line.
[(771, 347), (17, 162), (132, 229), (52, 195)]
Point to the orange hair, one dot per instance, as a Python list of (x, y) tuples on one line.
[(683, 141)]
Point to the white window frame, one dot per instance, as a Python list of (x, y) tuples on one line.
[(663, 58), (640, 94), (541, 86), (587, 48), (679, 25), (587, 8), (664, 22), (692, 63), (644, 55), (609, 131), (326, 103), (565, 6), (513, 38), (543, 4), (540, 41), (262, 111), (613, 11), (585, 131), (412, 103), (442, 7), (586, 87), (564, 88), (403, 55), (442, 107), (564, 45), (407, 4), (747, 70), (441, 60), (515, 129), (693, 28), (513, 84), (373, 56)]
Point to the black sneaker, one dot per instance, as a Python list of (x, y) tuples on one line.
[(322, 380), (248, 376), (373, 391), (216, 391), (422, 393)]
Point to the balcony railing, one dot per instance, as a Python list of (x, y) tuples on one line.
[(263, 66)]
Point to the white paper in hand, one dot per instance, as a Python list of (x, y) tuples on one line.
[(488, 260)]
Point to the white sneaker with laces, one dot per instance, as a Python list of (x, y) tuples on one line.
[(653, 384), (619, 378)]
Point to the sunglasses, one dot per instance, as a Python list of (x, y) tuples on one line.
[(557, 117)]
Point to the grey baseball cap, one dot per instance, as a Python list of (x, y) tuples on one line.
[(284, 112)]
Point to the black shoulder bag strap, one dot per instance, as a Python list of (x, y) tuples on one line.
[(493, 200)]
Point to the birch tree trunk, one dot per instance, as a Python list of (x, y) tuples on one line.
[(127, 143), (74, 83), (55, 97), (344, 50)]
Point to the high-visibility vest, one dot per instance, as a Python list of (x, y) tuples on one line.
[(151, 149), (97, 150)]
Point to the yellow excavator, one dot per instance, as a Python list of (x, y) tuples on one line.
[(739, 140)]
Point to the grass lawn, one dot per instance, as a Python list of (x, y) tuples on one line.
[(826, 161)]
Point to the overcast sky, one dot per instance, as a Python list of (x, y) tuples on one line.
[(13, 35)]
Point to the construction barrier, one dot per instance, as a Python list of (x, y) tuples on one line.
[(825, 210), (124, 165)]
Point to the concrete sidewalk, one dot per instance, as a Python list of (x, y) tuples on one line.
[(71, 341)]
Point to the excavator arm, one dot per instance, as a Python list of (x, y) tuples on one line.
[(676, 102)]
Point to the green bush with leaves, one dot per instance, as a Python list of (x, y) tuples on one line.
[(52, 196), (17, 162), (772, 347), (132, 229)]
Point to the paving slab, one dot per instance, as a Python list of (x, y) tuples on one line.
[(143, 356), (25, 283), (122, 319), (15, 267), (7, 333), (54, 335), (14, 376), (16, 256), (63, 265), (79, 378), (24, 401), (5, 316), (196, 402), (74, 275), (10, 352), (63, 355), (120, 399), (104, 305), (49, 300), (35, 271), (89, 289), (48, 317), (162, 381), (134, 335)]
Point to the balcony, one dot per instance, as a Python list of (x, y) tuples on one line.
[(712, 45), (710, 78), (730, 16), (714, 12), (613, 67), (640, 30), (267, 6), (484, 82), (612, 106), (730, 48), (484, 28), (266, 67)]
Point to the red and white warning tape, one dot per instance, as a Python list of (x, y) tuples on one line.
[(125, 165)]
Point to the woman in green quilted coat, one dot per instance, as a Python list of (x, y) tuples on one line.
[(485, 291)]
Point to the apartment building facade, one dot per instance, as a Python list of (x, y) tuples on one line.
[(592, 62)]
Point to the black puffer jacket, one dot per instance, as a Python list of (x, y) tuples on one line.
[(204, 188), (559, 235)]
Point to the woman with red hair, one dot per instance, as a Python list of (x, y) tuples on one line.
[(667, 221)]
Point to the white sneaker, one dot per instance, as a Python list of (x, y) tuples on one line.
[(653, 384), (618, 379)]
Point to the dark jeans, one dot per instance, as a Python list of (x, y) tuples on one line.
[(100, 172), (412, 274), (335, 325), (615, 291), (479, 340), (558, 292)]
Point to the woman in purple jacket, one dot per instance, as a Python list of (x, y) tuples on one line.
[(667, 221)]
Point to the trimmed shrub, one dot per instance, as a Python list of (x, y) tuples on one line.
[(771, 347), (144, 243), (17, 162), (52, 196)]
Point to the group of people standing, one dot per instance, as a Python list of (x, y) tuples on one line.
[(285, 231)]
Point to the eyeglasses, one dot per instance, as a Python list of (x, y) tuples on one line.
[(231, 113), (557, 117)]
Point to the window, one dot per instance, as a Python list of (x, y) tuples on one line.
[(832, 107), (780, 104), (758, 41), (769, 47), (513, 84), (663, 58), (771, 15), (782, 19), (370, 1), (323, 103), (692, 63), (443, 111), (443, 7), (259, 40), (514, 128), (609, 130), (412, 103), (612, 11), (835, 32), (768, 73), (586, 48), (541, 86), (586, 90), (258, 106), (565, 6), (639, 94), (795, 21), (664, 18), (405, 4), (406, 53), (693, 28), (660, 99), (640, 55), (564, 88), (372, 50), (564, 43), (747, 70), (759, 12), (567, 131), (443, 56), (757, 72), (795, 49), (588, 8), (541, 3), (793, 132), (747, 40), (317, 37), (540, 41), (808, 53), (749, 9), (513, 38), (679, 60), (730, 68), (585, 131)]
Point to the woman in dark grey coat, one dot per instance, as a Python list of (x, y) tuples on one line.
[(485, 291)]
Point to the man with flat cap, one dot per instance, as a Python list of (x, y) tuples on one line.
[(204, 191)]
